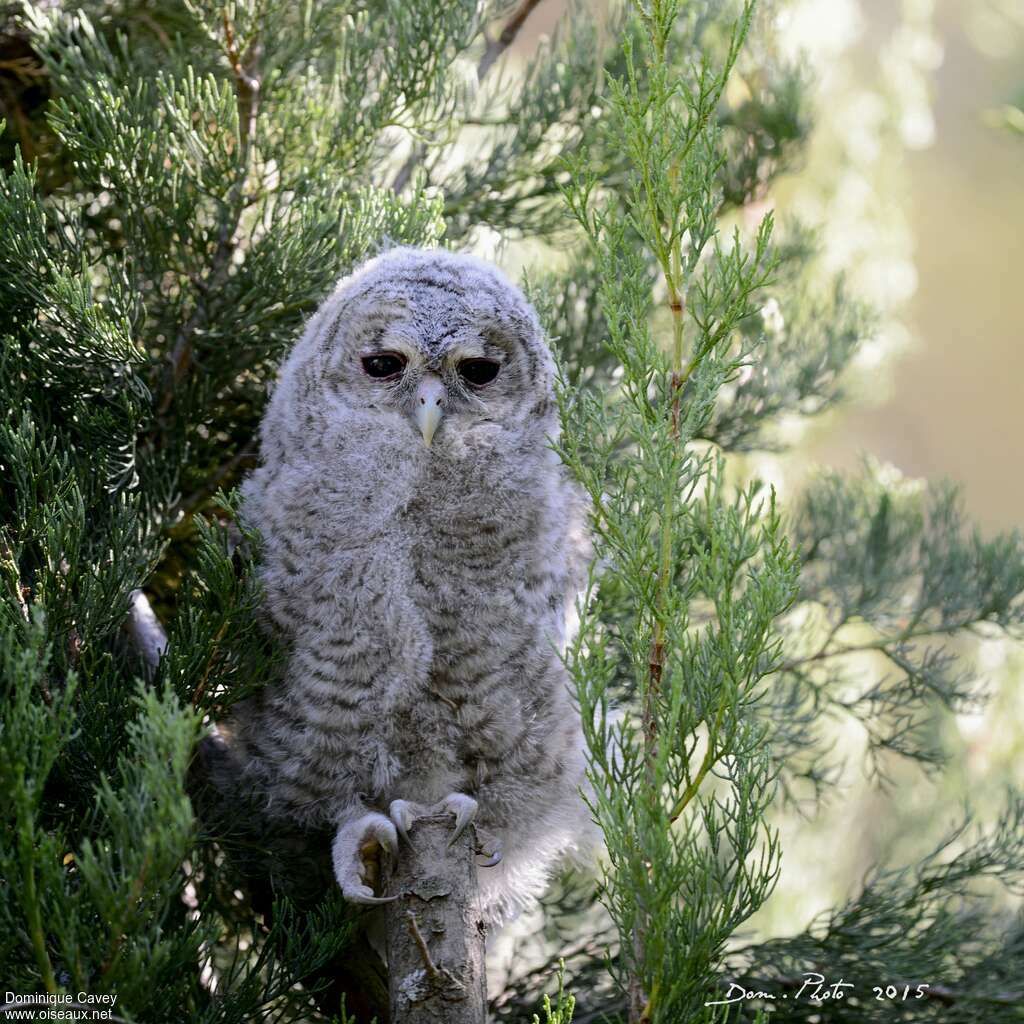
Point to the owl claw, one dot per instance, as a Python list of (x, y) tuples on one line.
[(364, 894), (403, 813), (463, 807), (354, 855), (490, 847)]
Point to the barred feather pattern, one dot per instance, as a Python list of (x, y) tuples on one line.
[(423, 591)]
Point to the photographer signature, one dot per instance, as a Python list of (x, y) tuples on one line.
[(816, 989)]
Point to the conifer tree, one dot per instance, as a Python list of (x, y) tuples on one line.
[(182, 183)]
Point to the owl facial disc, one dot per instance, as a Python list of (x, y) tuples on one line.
[(429, 396)]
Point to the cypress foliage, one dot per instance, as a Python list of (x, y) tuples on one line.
[(181, 184)]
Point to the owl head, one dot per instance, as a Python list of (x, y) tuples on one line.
[(432, 346)]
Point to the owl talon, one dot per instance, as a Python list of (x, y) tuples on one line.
[(463, 807), (489, 847), (355, 855), (403, 813), (363, 894)]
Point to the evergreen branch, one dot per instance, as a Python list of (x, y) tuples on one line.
[(711, 755), (495, 48), (899, 561), (117, 935), (587, 948), (242, 460), (30, 901), (882, 645), (213, 656), (247, 92)]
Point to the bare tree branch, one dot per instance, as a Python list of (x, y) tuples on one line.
[(435, 933)]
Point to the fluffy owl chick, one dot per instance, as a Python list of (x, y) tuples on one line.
[(423, 550)]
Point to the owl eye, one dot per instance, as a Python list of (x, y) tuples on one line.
[(384, 364), (478, 371)]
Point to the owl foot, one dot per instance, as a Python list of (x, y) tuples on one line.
[(463, 807), (355, 853), (403, 813), (488, 846)]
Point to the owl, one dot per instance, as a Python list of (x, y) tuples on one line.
[(422, 550)]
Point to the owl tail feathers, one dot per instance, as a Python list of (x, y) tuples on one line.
[(267, 856)]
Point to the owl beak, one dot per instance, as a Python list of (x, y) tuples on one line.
[(429, 396)]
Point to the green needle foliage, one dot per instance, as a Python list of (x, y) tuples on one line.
[(704, 570), (181, 184)]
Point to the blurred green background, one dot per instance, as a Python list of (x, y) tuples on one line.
[(920, 193), (951, 403)]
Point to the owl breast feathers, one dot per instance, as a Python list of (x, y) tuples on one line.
[(423, 547)]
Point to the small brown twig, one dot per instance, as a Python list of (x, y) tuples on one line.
[(496, 47), (200, 689), (417, 937)]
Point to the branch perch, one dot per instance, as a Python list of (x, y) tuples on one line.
[(435, 933)]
